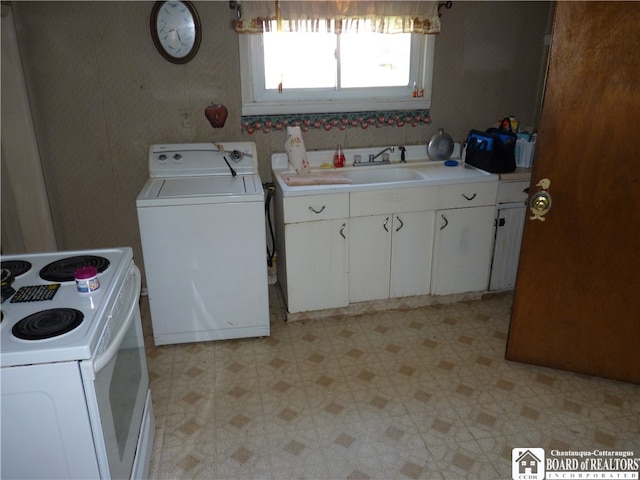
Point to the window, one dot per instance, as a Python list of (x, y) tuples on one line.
[(300, 72)]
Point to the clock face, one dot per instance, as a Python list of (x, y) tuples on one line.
[(175, 28)]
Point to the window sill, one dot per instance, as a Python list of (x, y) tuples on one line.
[(336, 106)]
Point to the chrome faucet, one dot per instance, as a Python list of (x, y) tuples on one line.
[(373, 157)]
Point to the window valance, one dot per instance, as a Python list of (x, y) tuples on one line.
[(338, 16)]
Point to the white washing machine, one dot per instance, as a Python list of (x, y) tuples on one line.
[(201, 218)]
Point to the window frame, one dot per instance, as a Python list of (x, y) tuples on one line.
[(258, 101)]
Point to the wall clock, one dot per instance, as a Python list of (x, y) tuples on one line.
[(176, 30)]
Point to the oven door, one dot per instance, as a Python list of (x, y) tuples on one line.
[(116, 384)]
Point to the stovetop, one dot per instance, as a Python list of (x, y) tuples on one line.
[(55, 301)]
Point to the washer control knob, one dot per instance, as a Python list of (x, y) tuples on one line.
[(177, 157), (162, 157)]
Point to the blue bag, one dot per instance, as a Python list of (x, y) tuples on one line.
[(492, 151)]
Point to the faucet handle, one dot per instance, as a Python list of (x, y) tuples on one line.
[(402, 154)]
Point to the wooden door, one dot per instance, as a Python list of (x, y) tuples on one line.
[(577, 297)]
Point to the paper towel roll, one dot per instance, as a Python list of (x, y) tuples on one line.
[(297, 154)]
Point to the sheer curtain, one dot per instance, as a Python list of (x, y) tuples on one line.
[(338, 16)]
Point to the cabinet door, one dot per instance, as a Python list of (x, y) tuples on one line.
[(369, 257), (317, 265), (506, 252), (411, 247), (462, 251)]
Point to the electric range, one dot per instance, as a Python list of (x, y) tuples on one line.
[(45, 291), (74, 382)]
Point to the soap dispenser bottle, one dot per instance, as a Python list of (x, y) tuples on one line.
[(338, 158)]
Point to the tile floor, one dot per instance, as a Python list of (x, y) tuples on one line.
[(409, 393)]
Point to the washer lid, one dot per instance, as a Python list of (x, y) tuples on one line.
[(198, 190), (204, 186)]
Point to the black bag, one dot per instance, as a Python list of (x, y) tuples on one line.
[(492, 151)]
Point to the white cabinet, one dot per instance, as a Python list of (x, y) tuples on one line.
[(512, 200), (317, 265), (463, 238), (390, 255), (411, 250), (462, 251), (336, 249), (369, 257), (312, 251), (390, 243), (504, 268)]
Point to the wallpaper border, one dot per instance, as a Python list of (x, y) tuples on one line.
[(327, 121)]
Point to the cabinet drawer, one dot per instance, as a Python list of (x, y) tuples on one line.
[(512, 192), (399, 200), (316, 207), (468, 195)]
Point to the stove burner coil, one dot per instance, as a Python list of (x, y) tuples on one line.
[(47, 324), (63, 270), (16, 267)]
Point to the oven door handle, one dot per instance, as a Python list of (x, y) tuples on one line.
[(114, 344)]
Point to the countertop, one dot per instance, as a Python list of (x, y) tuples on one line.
[(430, 174), (434, 172), (519, 174)]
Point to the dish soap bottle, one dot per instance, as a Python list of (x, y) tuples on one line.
[(338, 158)]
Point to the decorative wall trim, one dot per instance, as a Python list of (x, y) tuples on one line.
[(327, 121)]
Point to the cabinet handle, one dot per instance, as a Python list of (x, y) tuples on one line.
[(471, 197), (401, 224), (386, 222), (344, 225), (446, 222), (317, 211)]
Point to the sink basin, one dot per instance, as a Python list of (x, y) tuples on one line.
[(382, 175)]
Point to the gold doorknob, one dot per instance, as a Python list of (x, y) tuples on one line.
[(540, 202)]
